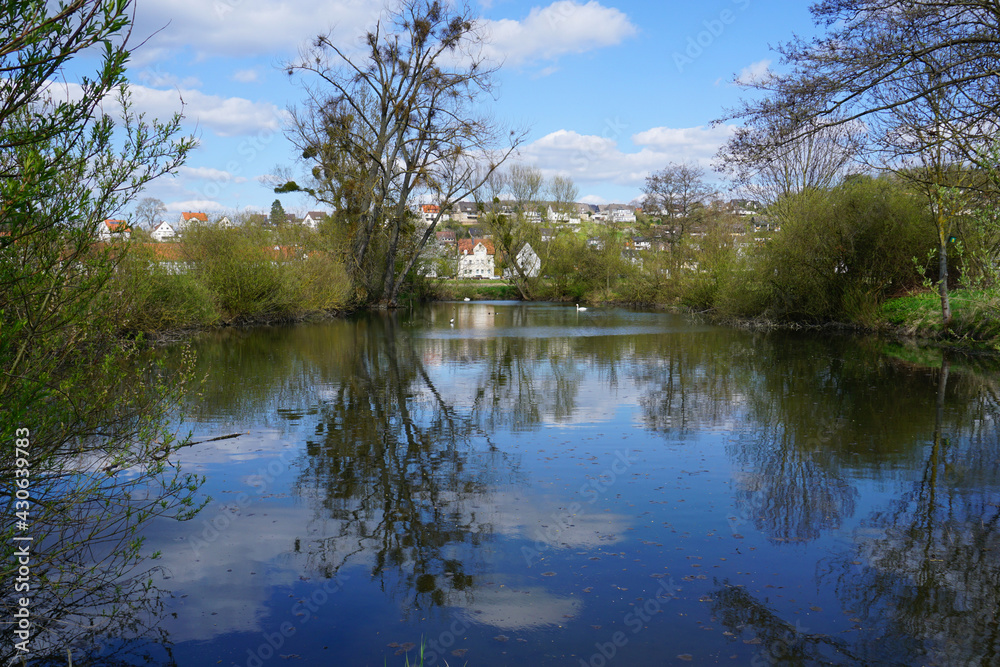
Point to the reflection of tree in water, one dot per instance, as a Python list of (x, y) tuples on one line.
[(692, 380), (525, 380), (828, 407), (778, 642), (928, 566), (395, 472)]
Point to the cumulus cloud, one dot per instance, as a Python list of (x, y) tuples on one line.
[(688, 144), (596, 158), (241, 28), (564, 27), (200, 205), (225, 116), (754, 73), (246, 76), (591, 160), (208, 173)]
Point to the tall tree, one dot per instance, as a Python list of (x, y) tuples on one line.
[(508, 226), (149, 211), (921, 76), (277, 216), (400, 119), (74, 397), (674, 194), (563, 193)]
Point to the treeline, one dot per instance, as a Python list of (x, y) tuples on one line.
[(215, 275), (833, 254)]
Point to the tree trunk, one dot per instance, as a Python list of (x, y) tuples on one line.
[(943, 274)]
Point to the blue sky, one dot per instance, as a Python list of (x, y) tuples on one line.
[(610, 90)]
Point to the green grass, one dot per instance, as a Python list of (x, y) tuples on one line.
[(975, 315)]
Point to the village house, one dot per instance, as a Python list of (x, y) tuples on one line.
[(188, 218), (465, 212), (529, 262), (476, 258), (168, 257), (113, 230), (163, 231), (446, 237), (428, 212)]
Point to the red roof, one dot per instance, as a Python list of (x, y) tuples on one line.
[(466, 246), (194, 216), (116, 225)]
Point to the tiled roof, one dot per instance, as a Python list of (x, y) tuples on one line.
[(466, 246)]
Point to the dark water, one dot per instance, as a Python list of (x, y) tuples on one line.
[(540, 486)]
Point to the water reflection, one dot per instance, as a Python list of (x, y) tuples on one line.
[(927, 566), (433, 457)]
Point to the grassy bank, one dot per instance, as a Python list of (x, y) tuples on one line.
[(474, 290), (975, 317)]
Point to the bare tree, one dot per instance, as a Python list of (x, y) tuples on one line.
[(148, 211), (921, 76), (674, 194), (563, 193), (402, 119), (524, 184), (767, 170), (509, 226)]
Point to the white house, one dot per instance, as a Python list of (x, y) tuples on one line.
[(529, 262), (163, 231), (313, 218), (188, 218), (476, 258), (113, 230)]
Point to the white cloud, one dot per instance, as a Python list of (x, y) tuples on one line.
[(593, 160), (243, 27), (689, 144), (260, 27), (564, 27), (754, 73), (246, 76), (208, 173), (593, 199), (201, 205), (226, 116)]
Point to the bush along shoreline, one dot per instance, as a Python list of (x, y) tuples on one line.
[(858, 256)]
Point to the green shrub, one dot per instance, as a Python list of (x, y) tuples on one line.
[(242, 269), (838, 254)]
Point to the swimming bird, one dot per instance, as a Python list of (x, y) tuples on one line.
[(579, 308), (467, 299)]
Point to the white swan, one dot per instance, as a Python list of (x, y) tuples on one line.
[(467, 299), (579, 308)]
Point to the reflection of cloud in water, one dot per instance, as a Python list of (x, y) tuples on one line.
[(520, 609), (548, 520), (226, 576), (256, 445)]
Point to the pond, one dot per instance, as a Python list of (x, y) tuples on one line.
[(529, 484)]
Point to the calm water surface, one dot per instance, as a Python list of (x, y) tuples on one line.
[(539, 486)]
